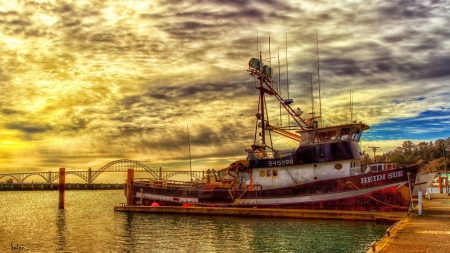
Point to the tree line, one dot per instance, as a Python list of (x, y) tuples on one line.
[(411, 152)]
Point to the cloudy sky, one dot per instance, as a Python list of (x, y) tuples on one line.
[(84, 83)]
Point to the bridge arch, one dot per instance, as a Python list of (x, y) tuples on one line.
[(122, 166), (82, 174), (34, 174), (10, 175), (196, 175)]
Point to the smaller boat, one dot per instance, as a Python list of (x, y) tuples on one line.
[(424, 180)]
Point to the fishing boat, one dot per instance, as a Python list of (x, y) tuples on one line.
[(324, 171)]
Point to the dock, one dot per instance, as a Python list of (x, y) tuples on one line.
[(267, 212), (429, 232)]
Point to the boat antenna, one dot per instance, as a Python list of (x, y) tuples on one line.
[(270, 58), (351, 106), (312, 97), (257, 42), (190, 160), (279, 84), (287, 71), (374, 149), (287, 81), (318, 78)]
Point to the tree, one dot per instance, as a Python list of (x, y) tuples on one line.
[(408, 147)]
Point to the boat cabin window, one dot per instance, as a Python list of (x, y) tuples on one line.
[(268, 173), (345, 132), (356, 132), (325, 136), (375, 168), (348, 133)]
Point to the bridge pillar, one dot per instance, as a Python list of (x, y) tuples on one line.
[(160, 173), (49, 177), (90, 176), (62, 187)]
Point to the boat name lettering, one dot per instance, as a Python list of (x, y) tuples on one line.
[(381, 177), (281, 162)]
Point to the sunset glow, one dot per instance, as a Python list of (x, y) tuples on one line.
[(84, 83)]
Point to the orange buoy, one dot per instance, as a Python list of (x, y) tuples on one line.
[(186, 205), (155, 204)]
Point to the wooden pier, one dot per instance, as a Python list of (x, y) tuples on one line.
[(429, 232), (267, 212)]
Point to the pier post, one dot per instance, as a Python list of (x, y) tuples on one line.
[(62, 188), (130, 186), (419, 196)]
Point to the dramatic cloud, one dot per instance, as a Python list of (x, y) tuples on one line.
[(86, 82)]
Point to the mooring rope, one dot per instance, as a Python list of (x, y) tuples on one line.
[(375, 198), (291, 176), (234, 200), (229, 191)]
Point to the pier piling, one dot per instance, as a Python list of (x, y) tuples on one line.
[(130, 182), (62, 188)]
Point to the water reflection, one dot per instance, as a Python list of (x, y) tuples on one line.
[(89, 224), (61, 229)]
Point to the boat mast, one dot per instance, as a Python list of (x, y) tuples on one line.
[(279, 84), (262, 101), (287, 82), (190, 160), (318, 78)]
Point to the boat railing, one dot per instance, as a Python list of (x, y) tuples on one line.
[(167, 184)]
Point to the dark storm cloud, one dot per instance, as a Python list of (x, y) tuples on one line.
[(432, 68), (234, 3), (427, 44), (10, 112), (343, 66), (129, 101), (437, 67), (404, 9), (28, 128), (206, 91)]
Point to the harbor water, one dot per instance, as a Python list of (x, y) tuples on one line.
[(31, 222)]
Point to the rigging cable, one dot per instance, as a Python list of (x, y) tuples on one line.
[(291, 176)]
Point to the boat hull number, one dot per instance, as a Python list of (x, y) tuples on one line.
[(281, 162)]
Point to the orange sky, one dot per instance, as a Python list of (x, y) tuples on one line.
[(84, 83)]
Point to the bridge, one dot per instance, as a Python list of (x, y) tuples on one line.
[(116, 166)]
